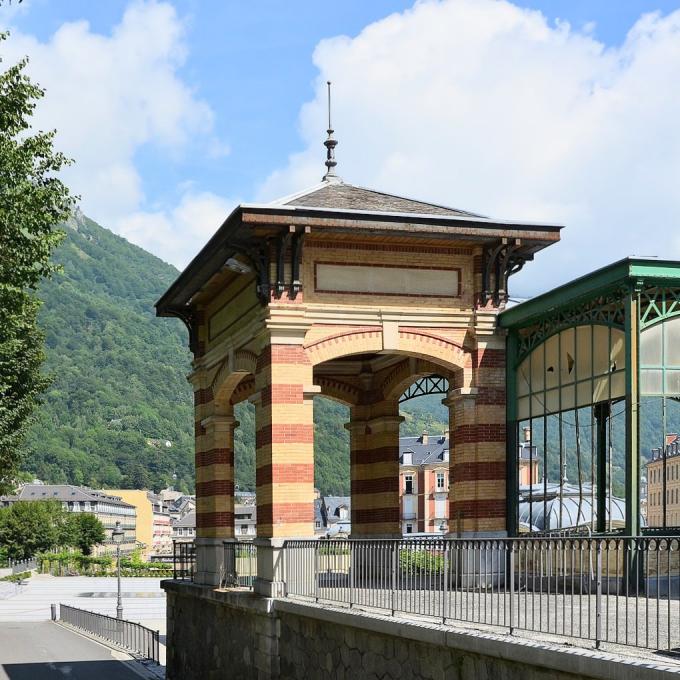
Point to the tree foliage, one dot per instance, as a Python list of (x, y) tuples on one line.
[(32, 201), (30, 527), (85, 531)]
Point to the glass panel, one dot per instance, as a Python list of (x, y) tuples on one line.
[(601, 389), (650, 346), (650, 381), (584, 392), (584, 352), (568, 397), (537, 406), (551, 361), (523, 377), (567, 356), (552, 401), (673, 382), (618, 350), (523, 408), (601, 350), (672, 341), (537, 369), (618, 384)]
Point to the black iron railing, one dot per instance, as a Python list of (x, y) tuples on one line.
[(127, 635), (240, 564), (615, 589), (183, 560)]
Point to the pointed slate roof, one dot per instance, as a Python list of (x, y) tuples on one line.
[(340, 196)]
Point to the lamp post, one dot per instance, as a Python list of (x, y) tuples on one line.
[(118, 534)]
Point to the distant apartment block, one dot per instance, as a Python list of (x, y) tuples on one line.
[(424, 484), (665, 462), (108, 508), (153, 529), (184, 528), (245, 520)]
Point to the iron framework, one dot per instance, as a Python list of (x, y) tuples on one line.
[(431, 384)]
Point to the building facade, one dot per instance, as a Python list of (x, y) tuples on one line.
[(663, 484), (332, 516), (107, 508), (184, 528), (424, 483), (153, 527)]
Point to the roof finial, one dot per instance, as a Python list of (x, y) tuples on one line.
[(330, 145)]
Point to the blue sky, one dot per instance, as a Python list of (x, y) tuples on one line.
[(238, 110)]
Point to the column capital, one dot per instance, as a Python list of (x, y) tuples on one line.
[(356, 426), (460, 394), (221, 422), (384, 422), (310, 391)]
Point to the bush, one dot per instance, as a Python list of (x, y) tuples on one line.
[(334, 549), (15, 578), (421, 561)]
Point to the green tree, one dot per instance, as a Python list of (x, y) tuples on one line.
[(30, 527), (85, 531), (32, 202)]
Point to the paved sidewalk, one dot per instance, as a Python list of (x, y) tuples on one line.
[(46, 651)]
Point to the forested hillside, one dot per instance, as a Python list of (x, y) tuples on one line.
[(120, 392)]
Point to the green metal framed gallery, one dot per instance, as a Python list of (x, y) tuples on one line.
[(593, 403)]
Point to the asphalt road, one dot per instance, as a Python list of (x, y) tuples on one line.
[(45, 650)]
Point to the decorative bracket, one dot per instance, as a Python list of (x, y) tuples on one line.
[(296, 259), (190, 321), (500, 261)]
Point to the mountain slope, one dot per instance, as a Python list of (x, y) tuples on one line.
[(119, 380), (119, 373)]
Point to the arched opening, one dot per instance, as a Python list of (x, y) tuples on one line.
[(424, 454), (394, 397)]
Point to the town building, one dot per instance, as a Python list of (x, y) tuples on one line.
[(245, 520), (424, 483), (663, 484), (332, 516), (180, 506), (153, 528), (184, 528), (108, 508)]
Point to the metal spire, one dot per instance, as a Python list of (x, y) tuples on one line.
[(330, 145)]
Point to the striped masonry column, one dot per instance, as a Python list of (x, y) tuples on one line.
[(214, 458), (374, 470), (284, 440), (477, 494)]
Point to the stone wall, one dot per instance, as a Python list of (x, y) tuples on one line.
[(237, 635), (215, 634)]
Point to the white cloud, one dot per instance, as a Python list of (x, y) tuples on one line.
[(111, 95), (176, 235), (484, 105)]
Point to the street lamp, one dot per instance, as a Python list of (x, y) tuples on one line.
[(118, 534)]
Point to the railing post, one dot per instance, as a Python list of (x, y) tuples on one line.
[(395, 560), (598, 593), (352, 571), (316, 572), (445, 598), (511, 568)]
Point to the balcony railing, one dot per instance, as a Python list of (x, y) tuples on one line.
[(240, 564), (616, 590), (183, 560)]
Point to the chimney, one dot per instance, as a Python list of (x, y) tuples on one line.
[(424, 438), (527, 434)]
